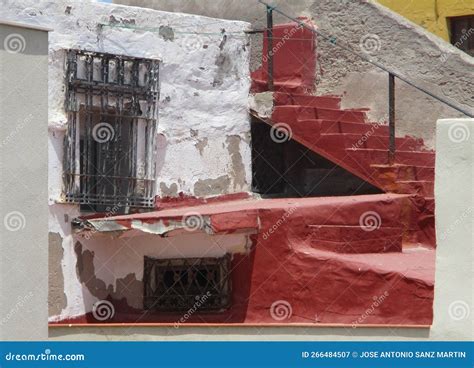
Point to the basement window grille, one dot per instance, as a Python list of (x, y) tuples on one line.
[(172, 285), (111, 102)]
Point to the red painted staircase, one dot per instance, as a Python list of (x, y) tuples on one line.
[(346, 138), (404, 245)]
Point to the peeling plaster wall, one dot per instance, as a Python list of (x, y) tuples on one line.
[(57, 299), (393, 41), (102, 266), (204, 83), (202, 142)]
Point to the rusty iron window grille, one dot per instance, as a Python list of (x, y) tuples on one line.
[(111, 102), (181, 284)]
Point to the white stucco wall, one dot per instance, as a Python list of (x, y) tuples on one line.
[(23, 181), (454, 195)]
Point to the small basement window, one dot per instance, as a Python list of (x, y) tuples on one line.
[(183, 283), (110, 142), (462, 33)]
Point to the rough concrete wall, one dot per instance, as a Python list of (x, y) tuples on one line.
[(23, 182), (393, 41), (379, 33)]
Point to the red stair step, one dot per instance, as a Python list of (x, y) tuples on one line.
[(261, 85), (328, 102), (331, 126), (405, 172), (289, 113), (421, 226), (372, 141), (354, 239), (351, 116), (375, 156), (421, 187)]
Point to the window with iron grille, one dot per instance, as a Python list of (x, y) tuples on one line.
[(111, 103), (181, 284)]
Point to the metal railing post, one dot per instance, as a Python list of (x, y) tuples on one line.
[(270, 47), (391, 117)]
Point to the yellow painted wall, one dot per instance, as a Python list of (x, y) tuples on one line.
[(431, 14)]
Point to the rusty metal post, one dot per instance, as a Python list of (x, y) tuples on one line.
[(391, 117), (270, 47)]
